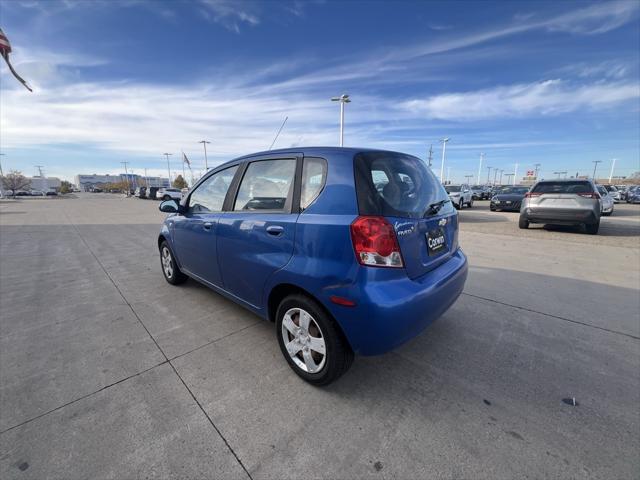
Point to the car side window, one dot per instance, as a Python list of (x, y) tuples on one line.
[(267, 185), (314, 174), (210, 194)]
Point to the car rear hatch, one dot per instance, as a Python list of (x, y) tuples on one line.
[(564, 195), (403, 190)]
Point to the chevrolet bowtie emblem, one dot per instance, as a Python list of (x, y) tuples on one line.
[(442, 222)]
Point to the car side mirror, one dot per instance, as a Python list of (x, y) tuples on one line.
[(169, 206)]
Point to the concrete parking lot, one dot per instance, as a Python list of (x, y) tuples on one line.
[(106, 371)]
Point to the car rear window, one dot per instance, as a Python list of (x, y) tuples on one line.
[(397, 185), (563, 187)]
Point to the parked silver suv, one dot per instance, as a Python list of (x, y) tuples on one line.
[(562, 202)]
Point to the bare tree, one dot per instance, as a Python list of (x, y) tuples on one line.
[(15, 181)]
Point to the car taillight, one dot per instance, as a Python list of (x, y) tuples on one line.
[(375, 242), (590, 195), (532, 194)]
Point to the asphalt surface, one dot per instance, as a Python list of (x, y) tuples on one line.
[(106, 371)]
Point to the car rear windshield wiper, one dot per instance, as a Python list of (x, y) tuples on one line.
[(434, 208)]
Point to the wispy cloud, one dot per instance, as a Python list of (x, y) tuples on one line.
[(232, 14), (551, 97)]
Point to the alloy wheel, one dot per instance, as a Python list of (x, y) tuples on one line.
[(167, 262), (304, 340)]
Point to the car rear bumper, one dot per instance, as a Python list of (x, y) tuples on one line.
[(560, 216), (391, 312)]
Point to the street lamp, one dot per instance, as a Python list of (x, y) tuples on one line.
[(595, 165), (204, 144), (489, 175), (168, 166), (444, 149), (480, 167), (344, 98)]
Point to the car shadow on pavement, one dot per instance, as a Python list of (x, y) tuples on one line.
[(606, 229)]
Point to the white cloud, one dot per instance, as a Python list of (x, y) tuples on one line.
[(551, 97)]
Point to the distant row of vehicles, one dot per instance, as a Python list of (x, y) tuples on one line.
[(564, 202), (30, 193), (159, 193)]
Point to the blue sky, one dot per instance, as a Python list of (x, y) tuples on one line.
[(555, 83)]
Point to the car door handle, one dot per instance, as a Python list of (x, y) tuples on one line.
[(275, 230), (207, 225)]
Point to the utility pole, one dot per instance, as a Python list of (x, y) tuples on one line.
[(444, 149), (344, 98), (613, 164), (480, 167), (595, 166), (489, 175), (204, 144), (515, 174), (168, 166), (430, 158), (537, 165), (40, 167), (126, 176)]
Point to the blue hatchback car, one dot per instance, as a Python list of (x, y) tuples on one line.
[(348, 251)]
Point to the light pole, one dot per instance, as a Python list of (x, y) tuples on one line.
[(204, 144), (1, 174), (344, 98), (468, 177), (444, 149), (515, 174), (126, 176), (448, 174), (480, 167), (509, 175), (489, 175), (168, 166), (595, 166), (613, 164), (501, 176), (537, 165), (495, 175)]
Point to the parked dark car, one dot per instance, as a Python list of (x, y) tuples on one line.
[(152, 193), (508, 198), (633, 194), (306, 238), (141, 192), (22, 193), (51, 193)]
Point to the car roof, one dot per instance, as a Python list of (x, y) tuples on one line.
[(312, 152)]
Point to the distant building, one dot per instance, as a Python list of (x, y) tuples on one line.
[(45, 184), (86, 183)]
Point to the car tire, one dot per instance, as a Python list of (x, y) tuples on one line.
[(470, 204), (523, 223), (321, 332), (493, 209), (166, 197), (592, 228), (457, 205), (170, 270)]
